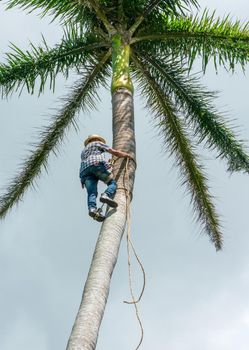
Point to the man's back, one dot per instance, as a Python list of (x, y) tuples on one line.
[(93, 154)]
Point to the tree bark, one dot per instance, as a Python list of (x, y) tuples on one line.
[(86, 327)]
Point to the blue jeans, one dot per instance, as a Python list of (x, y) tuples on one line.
[(90, 177)]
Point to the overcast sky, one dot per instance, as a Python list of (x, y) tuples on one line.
[(195, 298)]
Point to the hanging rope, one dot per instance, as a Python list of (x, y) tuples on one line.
[(129, 240), (131, 245)]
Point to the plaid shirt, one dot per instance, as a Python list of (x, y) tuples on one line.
[(93, 154)]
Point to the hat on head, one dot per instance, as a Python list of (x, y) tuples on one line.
[(94, 137)]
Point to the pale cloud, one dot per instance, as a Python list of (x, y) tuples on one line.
[(24, 334)]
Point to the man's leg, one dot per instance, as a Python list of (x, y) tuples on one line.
[(111, 188), (108, 195), (106, 176), (91, 183)]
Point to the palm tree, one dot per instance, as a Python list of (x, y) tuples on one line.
[(154, 43)]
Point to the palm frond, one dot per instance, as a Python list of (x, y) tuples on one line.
[(153, 10), (190, 37), (174, 6), (178, 144), (195, 103), (120, 11), (83, 96), (89, 13), (23, 68), (100, 10), (66, 10)]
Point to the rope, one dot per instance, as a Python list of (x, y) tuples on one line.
[(130, 244), (114, 159), (143, 272), (128, 196)]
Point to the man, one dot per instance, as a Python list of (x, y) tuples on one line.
[(95, 167)]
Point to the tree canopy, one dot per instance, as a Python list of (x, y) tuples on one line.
[(165, 39)]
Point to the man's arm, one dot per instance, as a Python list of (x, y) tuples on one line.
[(119, 154)]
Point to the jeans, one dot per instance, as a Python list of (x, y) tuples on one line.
[(90, 177)]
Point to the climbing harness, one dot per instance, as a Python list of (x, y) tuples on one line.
[(98, 216)]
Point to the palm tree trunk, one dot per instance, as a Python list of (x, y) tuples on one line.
[(86, 327)]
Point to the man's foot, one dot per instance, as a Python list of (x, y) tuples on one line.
[(96, 215), (104, 198)]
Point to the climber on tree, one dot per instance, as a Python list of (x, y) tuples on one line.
[(95, 167)]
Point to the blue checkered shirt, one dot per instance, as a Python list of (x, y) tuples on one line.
[(93, 154)]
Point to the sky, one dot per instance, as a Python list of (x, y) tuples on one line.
[(195, 298)]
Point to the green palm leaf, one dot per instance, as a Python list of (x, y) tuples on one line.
[(83, 96), (195, 103), (23, 68), (178, 144), (69, 10), (191, 37), (152, 11), (104, 10)]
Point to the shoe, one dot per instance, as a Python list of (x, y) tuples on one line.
[(96, 215), (104, 198)]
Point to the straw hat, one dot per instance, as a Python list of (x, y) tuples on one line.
[(94, 137)]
